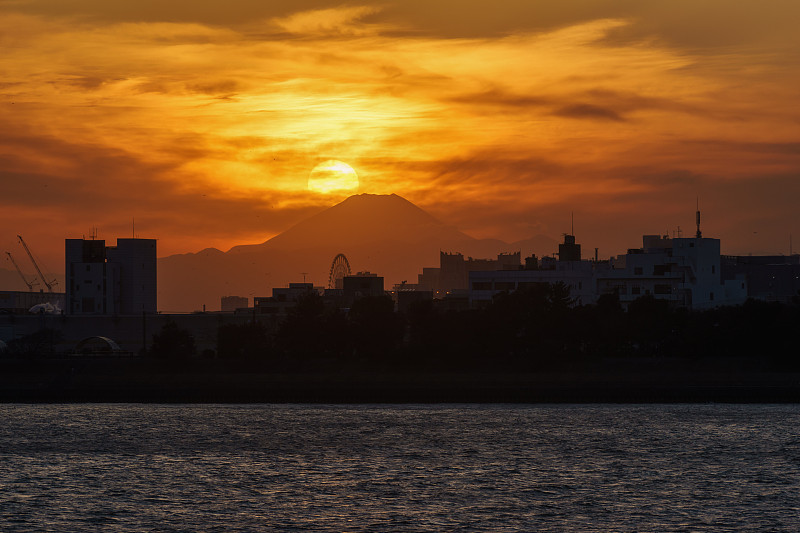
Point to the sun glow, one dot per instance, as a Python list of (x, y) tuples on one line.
[(331, 177)]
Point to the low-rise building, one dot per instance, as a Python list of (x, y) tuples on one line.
[(684, 271), (361, 285), (19, 302), (283, 298), (229, 304)]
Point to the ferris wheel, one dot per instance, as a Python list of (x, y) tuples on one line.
[(340, 267)]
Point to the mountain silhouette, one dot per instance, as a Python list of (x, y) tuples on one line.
[(385, 234), (361, 220)]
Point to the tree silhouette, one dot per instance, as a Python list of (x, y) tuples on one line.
[(238, 341), (375, 327), (173, 342), (310, 330)]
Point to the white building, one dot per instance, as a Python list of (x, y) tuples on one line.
[(110, 280), (577, 275), (684, 271)]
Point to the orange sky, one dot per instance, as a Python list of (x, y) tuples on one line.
[(203, 119)]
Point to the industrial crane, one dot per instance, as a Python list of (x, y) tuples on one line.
[(30, 284), (49, 285)]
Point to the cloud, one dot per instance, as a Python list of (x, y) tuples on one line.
[(120, 107), (589, 111), (327, 22)]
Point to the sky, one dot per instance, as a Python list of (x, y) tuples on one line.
[(199, 122)]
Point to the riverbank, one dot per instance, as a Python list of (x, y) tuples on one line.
[(136, 380)]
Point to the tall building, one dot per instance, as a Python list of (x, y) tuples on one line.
[(110, 280)]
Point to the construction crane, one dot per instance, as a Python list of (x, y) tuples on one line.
[(30, 284), (49, 285)]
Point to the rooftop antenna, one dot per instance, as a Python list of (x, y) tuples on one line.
[(572, 223), (133, 227), (304, 276), (699, 234)]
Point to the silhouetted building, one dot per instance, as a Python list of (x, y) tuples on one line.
[(454, 269), (283, 298), (772, 278), (407, 298), (110, 280), (19, 302), (532, 263), (361, 285), (569, 250), (577, 275), (229, 304)]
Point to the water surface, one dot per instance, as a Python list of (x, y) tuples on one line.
[(389, 468)]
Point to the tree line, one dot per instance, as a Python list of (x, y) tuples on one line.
[(526, 328)]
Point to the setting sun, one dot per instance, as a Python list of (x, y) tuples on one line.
[(333, 176)]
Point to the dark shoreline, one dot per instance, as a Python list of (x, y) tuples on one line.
[(137, 380)]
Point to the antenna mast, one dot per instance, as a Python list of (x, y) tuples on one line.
[(699, 234)]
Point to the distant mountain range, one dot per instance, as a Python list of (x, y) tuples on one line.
[(385, 234)]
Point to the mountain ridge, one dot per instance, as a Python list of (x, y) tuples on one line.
[(385, 234)]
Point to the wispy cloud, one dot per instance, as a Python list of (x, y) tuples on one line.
[(123, 109)]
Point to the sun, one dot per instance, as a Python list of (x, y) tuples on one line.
[(332, 176)]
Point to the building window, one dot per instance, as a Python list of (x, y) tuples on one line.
[(87, 305), (711, 296), (662, 289), (713, 269), (638, 271), (580, 285), (636, 290), (481, 285), (504, 286), (88, 268)]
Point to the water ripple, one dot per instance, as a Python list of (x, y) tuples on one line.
[(399, 468)]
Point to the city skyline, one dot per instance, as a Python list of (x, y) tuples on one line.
[(203, 124)]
